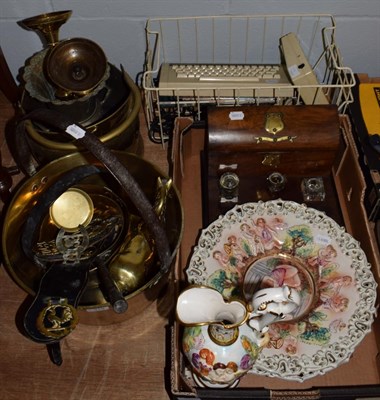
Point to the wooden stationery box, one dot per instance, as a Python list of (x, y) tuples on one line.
[(251, 142)]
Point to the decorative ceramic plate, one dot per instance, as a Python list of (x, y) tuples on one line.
[(279, 243)]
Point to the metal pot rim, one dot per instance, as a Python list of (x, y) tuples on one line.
[(133, 103)]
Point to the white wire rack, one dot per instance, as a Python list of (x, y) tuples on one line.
[(248, 39)]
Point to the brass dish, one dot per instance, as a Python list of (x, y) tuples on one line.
[(75, 67)]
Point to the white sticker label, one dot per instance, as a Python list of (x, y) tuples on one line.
[(75, 131), (236, 115), (293, 71)]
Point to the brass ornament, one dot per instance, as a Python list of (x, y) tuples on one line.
[(72, 209), (134, 261), (57, 319), (275, 139), (72, 245), (271, 160), (274, 123), (47, 25)]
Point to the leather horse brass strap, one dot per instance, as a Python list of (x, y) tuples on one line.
[(52, 314)]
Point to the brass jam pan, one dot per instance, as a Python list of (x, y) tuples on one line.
[(93, 307)]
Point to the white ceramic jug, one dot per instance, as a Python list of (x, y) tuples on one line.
[(223, 339)]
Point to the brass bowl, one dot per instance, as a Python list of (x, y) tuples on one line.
[(93, 307), (75, 67), (118, 131)]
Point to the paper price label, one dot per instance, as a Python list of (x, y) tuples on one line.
[(293, 71), (236, 115), (75, 131)]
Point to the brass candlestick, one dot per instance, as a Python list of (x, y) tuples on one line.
[(47, 25)]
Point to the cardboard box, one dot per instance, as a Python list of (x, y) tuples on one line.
[(358, 378)]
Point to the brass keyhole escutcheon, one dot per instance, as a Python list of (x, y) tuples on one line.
[(274, 123), (271, 160)]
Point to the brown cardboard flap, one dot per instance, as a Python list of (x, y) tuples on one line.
[(187, 145), (177, 151), (350, 185), (362, 369)]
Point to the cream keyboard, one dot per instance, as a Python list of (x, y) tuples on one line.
[(224, 80)]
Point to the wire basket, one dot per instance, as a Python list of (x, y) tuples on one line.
[(248, 39)]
